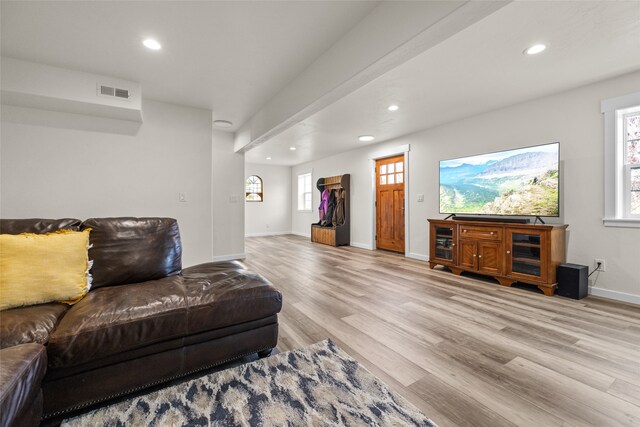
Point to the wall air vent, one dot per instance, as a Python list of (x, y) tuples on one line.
[(106, 90), (122, 93), (114, 92)]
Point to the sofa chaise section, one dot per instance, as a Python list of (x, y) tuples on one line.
[(145, 320)]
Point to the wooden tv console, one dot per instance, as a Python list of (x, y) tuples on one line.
[(509, 252)]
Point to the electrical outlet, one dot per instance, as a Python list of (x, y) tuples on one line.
[(603, 264)]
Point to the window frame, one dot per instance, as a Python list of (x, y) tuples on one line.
[(247, 193), (302, 194), (617, 174)]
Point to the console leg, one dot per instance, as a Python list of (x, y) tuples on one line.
[(505, 282), (548, 290), (432, 265), (265, 353), (456, 271)]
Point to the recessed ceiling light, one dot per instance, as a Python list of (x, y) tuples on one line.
[(268, 158), (222, 123), (292, 148), (152, 44), (535, 49), (366, 138), (393, 107)]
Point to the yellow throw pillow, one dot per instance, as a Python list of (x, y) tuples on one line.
[(39, 268)]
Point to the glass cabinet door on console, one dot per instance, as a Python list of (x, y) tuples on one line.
[(443, 250), (525, 256)]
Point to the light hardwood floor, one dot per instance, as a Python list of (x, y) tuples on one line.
[(464, 350)]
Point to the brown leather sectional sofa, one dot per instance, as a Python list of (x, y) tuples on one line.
[(145, 321)]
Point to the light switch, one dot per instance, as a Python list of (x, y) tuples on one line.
[(182, 197), (421, 197)]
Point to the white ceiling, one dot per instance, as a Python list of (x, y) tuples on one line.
[(479, 69), (227, 56), (234, 57)]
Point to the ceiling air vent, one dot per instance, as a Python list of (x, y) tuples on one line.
[(114, 92)]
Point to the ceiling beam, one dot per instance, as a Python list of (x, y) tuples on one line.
[(390, 35)]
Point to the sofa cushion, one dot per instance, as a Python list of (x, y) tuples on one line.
[(224, 294), (133, 250), (116, 319), (32, 324), (213, 267), (21, 373), (38, 225)]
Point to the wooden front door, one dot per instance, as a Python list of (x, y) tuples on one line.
[(390, 176)]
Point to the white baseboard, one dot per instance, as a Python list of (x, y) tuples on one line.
[(361, 245), (269, 233), (228, 257), (418, 256), (618, 296), (295, 233)]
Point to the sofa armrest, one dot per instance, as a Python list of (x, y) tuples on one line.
[(22, 368)]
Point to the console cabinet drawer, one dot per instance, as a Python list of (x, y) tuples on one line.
[(479, 232)]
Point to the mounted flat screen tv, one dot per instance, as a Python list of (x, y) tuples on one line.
[(520, 182)]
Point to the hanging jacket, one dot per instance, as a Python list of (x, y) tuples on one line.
[(324, 202), (339, 212), (331, 206)]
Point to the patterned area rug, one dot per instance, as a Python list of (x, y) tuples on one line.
[(319, 385)]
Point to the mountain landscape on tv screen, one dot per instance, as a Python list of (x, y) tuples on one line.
[(525, 183)]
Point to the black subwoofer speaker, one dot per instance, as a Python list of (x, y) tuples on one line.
[(572, 281)]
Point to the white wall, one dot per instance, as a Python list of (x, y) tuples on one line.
[(272, 215), (227, 178), (54, 172), (572, 117)]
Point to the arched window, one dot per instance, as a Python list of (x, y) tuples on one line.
[(253, 189)]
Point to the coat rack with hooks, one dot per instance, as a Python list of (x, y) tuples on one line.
[(333, 228)]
